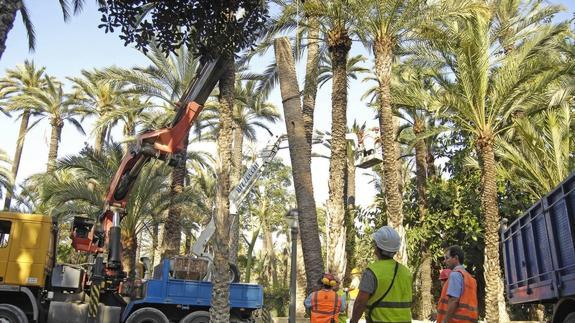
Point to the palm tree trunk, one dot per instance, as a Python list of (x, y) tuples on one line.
[(311, 77), (18, 154), (155, 239), (270, 252), (492, 272), (8, 11), (350, 231), (172, 227), (220, 310), (300, 156), (57, 125), (383, 61), (129, 247), (100, 138), (425, 299), (129, 131), (250, 254), (339, 45), (237, 155)]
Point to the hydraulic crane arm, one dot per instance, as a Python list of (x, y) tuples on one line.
[(239, 193), (163, 144)]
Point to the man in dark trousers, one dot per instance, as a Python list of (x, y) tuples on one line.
[(385, 289)]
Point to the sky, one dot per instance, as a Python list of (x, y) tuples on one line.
[(67, 48)]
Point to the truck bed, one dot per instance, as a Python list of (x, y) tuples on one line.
[(192, 294), (539, 249)]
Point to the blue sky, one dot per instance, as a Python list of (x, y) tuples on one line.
[(67, 48)]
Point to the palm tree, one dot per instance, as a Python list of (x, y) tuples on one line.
[(485, 95), (166, 80), (10, 8), (384, 26), (14, 83), (49, 102), (99, 98), (353, 69), (87, 186)]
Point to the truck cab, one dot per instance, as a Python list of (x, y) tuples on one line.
[(26, 261)]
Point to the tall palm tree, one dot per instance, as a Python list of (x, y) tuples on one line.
[(98, 97), (165, 79), (10, 8), (353, 69), (15, 83), (486, 93), (300, 156), (49, 102), (385, 26)]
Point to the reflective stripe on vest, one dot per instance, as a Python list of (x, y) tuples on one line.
[(396, 306), (325, 306), (467, 308)]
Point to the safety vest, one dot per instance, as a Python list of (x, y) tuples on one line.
[(467, 309), (325, 306), (396, 305)]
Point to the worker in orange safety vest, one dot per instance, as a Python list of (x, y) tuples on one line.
[(325, 304), (458, 301)]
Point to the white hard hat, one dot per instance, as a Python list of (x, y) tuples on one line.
[(387, 239)]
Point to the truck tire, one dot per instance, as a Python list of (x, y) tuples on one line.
[(570, 318), (197, 317), (12, 314), (147, 315), (234, 274)]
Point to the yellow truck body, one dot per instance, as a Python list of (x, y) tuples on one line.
[(26, 248)]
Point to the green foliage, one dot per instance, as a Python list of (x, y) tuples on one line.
[(276, 300)]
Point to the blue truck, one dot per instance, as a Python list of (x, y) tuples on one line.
[(539, 253)]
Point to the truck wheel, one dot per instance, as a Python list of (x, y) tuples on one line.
[(197, 317), (234, 274), (12, 314), (147, 315), (570, 318)]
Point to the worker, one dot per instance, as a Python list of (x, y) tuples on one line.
[(385, 292), (324, 304), (444, 276), (353, 289), (343, 293), (458, 301)]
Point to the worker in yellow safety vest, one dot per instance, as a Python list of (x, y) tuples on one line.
[(385, 292)]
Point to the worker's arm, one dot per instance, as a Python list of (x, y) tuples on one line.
[(452, 304), (359, 306)]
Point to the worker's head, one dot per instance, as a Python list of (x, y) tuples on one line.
[(328, 280), (444, 275), (356, 271), (453, 257), (387, 242)]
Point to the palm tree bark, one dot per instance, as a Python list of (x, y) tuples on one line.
[(350, 232), (237, 155), (172, 228), (383, 62), (155, 239), (8, 11), (129, 250), (300, 156), (339, 45), (311, 77), (100, 138), (492, 271), (18, 154), (220, 310), (55, 134), (425, 293)]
